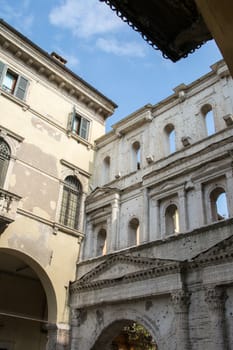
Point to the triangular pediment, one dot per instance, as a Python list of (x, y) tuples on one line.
[(101, 192), (220, 252), (119, 266)]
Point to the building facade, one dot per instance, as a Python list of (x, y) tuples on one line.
[(49, 120), (99, 232), (158, 242)]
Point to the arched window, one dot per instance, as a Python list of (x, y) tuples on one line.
[(134, 232), (106, 169), (207, 113), (101, 242), (136, 155), (218, 202), (171, 138), (172, 219), (71, 200), (4, 160)]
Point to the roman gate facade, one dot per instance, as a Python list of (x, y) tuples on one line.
[(158, 247)]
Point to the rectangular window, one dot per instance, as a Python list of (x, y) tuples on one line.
[(12, 83), (79, 125)]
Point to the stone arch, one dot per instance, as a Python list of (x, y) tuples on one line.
[(106, 169), (208, 116), (136, 155), (43, 277), (101, 242), (121, 318), (133, 232), (170, 138)]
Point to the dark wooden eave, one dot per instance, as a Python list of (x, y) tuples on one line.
[(173, 26)]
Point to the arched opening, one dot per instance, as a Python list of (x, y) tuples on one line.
[(218, 200), (171, 219), (208, 115), (71, 201), (134, 232), (5, 154), (106, 169), (136, 156), (125, 335), (27, 302), (101, 242), (171, 138)]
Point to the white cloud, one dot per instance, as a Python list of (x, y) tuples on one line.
[(19, 14), (72, 61), (121, 48), (85, 18)]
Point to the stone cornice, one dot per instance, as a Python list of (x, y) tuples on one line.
[(178, 164), (54, 72)]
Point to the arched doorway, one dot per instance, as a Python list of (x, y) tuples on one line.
[(25, 297), (125, 335)]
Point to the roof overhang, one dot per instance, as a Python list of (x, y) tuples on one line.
[(175, 27)]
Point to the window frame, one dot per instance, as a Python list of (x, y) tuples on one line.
[(20, 85), (82, 129), (68, 213)]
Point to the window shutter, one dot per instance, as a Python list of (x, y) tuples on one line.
[(2, 71), (71, 120), (21, 88), (84, 128)]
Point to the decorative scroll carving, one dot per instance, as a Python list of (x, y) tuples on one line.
[(181, 300)]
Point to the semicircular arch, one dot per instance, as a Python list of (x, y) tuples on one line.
[(43, 277), (107, 332)]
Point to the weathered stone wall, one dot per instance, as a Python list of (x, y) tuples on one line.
[(175, 277)]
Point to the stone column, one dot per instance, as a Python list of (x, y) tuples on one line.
[(215, 299), (114, 223), (74, 329), (182, 211), (181, 301), (199, 205), (52, 336), (78, 317), (88, 245), (144, 222), (82, 208), (154, 220), (229, 192)]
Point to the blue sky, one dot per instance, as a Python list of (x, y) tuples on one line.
[(104, 51)]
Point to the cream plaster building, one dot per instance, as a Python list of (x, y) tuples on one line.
[(49, 120), (158, 248)]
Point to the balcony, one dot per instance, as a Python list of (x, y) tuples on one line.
[(8, 207)]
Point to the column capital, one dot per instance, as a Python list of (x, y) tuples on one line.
[(215, 298), (180, 300), (78, 317)]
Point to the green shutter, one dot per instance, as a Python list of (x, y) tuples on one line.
[(21, 88), (84, 128), (70, 121), (2, 71)]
